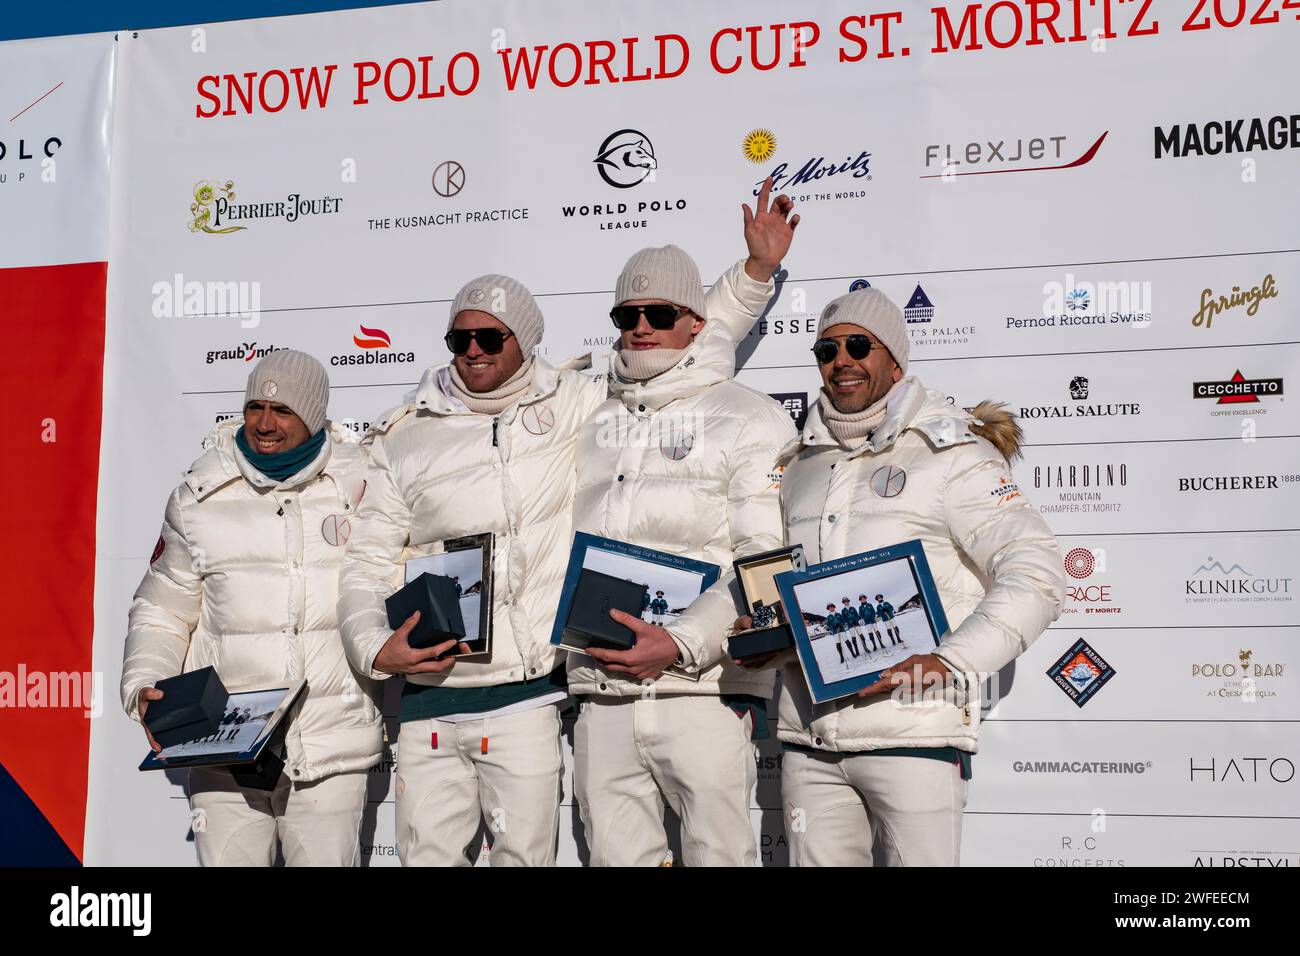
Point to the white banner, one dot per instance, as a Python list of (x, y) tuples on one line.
[(1081, 219)]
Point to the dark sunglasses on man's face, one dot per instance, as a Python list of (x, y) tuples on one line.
[(661, 317), (490, 341), (825, 350)]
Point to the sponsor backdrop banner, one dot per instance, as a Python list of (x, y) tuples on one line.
[(1080, 219), (55, 122)]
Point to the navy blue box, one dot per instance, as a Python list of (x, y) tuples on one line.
[(191, 708)]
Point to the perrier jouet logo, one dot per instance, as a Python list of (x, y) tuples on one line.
[(206, 194)]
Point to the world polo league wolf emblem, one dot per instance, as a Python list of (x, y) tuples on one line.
[(887, 481), (625, 158)]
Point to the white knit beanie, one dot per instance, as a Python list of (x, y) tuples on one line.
[(666, 273), (872, 310), (292, 378), (509, 301)]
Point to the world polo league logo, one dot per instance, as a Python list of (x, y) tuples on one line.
[(625, 158)]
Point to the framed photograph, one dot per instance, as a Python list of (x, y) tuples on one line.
[(467, 562), (856, 616), (249, 720), (666, 585)]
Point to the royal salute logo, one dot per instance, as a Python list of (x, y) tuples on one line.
[(1249, 301), (1079, 390), (376, 349), (1080, 672), (214, 210)]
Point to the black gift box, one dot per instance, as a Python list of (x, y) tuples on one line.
[(191, 708), (589, 623), (755, 577), (434, 596), (263, 774)]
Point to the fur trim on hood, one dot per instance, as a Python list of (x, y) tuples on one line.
[(993, 421)]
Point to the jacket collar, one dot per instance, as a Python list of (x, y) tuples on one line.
[(910, 406), (221, 462), (434, 391), (709, 360)]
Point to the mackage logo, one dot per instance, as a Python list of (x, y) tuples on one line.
[(1228, 136)]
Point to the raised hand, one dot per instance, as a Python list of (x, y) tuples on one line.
[(769, 230)]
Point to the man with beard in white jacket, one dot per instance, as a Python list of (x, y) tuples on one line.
[(883, 460), (486, 444), (245, 578), (680, 459)]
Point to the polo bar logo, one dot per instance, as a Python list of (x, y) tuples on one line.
[(888, 481), (373, 339), (626, 158)]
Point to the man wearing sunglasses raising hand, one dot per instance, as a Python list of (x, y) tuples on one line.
[(883, 460), (486, 444)]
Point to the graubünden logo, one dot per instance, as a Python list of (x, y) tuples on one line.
[(244, 352)]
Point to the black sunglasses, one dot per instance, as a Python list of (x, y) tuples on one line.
[(825, 350), (491, 341), (661, 317)]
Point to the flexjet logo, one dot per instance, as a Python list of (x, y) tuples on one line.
[(1021, 155), (1227, 136)]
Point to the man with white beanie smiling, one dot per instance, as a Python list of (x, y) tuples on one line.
[(680, 459), (244, 578), (486, 444), (883, 460)]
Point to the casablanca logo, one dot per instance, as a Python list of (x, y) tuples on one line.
[(626, 158), (206, 194), (919, 308), (1080, 673), (1078, 387), (1077, 300), (377, 349), (758, 146), (374, 339)]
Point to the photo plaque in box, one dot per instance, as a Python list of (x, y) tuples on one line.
[(466, 564), (756, 579)]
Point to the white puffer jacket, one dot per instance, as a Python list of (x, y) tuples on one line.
[(685, 463), (439, 471), (245, 578), (995, 561)]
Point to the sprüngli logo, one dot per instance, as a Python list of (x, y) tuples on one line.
[(1214, 305), (626, 158)]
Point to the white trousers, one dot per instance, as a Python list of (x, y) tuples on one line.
[(443, 792), (632, 755), (860, 809), (316, 824)]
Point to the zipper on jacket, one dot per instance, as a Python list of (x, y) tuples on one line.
[(494, 433)]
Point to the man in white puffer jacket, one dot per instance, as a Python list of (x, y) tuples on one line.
[(486, 444), (681, 459), (245, 578), (883, 460)]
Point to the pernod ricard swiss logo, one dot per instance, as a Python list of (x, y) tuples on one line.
[(214, 209)]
